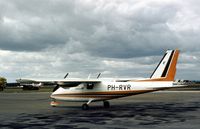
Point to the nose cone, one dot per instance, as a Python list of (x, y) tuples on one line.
[(59, 91)]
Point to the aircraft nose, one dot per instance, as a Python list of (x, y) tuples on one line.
[(52, 96)]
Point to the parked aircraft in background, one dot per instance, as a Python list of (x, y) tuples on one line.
[(92, 90)]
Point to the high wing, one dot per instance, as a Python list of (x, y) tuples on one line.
[(66, 82)]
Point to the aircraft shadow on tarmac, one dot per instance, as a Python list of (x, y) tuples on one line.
[(118, 116)]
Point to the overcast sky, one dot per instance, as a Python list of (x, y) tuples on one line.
[(119, 38)]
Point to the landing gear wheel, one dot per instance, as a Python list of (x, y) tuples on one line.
[(106, 104), (85, 107)]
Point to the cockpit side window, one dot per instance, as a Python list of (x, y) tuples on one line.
[(90, 86)]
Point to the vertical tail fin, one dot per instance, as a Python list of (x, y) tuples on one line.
[(166, 69)]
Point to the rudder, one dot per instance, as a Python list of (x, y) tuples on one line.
[(166, 69)]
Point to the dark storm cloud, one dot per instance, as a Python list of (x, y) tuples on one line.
[(35, 25), (142, 32), (116, 30), (52, 37)]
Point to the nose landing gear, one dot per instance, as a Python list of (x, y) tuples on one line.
[(85, 106)]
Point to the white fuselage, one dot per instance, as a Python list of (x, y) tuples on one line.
[(108, 90)]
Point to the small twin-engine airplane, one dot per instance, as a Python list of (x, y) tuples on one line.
[(92, 90)]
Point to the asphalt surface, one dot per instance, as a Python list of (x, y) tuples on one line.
[(166, 110)]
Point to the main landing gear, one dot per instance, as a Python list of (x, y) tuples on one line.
[(106, 104), (85, 106)]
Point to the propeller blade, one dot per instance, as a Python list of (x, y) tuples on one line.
[(66, 75), (98, 75)]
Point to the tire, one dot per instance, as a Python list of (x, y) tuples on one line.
[(106, 104), (85, 107)]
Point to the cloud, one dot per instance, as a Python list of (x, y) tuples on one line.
[(50, 38)]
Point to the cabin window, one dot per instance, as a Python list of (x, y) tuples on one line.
[(90, 86)]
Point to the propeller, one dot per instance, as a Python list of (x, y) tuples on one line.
[(98, 75), (55, 88), (66, 75)]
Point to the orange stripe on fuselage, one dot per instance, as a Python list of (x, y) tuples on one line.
[(109, 92), (104, 95), (108, 95)]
